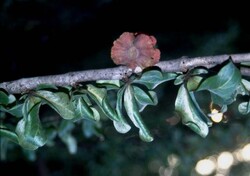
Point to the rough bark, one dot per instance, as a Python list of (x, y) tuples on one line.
[(72, 78)]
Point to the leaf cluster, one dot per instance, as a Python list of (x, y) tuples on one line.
[(87, 104)]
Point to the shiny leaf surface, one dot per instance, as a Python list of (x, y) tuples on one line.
[(29, 130), (153, 78), (133, 113), (122, 125), (60, 102), (186, 109), (144, 98), (223, 86)]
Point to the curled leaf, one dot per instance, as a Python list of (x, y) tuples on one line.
[(244, 108), (223, 86), (122, 125), (144, 98), (99, 95), (190, 114), (29, 130), (133, 113), (152, 78), (59, 101)]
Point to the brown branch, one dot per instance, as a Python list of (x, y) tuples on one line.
[(72, 78)]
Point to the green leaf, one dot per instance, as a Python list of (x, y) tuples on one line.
[(15, 110), (60, 102), (46, 86), (199, 71), (110, 84), (190, 114), (144, 98), (29, 130), (200, 112), (223, 87), (244, 108), (193, 82), (246, 83), (6, 99), (121, 125), (153, 78), (245, 63), (64, 133), (83, 110), (99, 95), (133, 113), (241, 89), (179, 80), (4, 132)]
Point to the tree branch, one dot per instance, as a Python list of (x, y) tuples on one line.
[(182, 64)]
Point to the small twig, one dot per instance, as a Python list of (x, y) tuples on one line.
[(72, 78)]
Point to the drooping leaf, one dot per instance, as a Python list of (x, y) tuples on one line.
[(110, 84), (200, 112), (83, 110), (5, 132), (153, 78), (187, 110), (121, 125), (246, 83), (193, 82), (6, 99), (133, 113), (244, 108), (29, 130), (223, 87), (179, 80), (99, 95), (60, 102), (144, 98), (15, 110), (241, 89), (64, 132)]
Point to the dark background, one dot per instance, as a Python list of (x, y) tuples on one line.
[(42, 37)]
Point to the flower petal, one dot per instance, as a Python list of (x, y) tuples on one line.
[(125, 40), (135, 50), (144, 41)]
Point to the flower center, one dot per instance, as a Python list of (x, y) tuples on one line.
[(133, 52)]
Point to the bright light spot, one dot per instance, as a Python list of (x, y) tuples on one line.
[(245, 152), (173, 160), (225, 160), (205, 167), (237, 154), (216, 116), (219, 175)]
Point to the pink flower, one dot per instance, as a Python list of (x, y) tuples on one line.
[(135, 50)]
